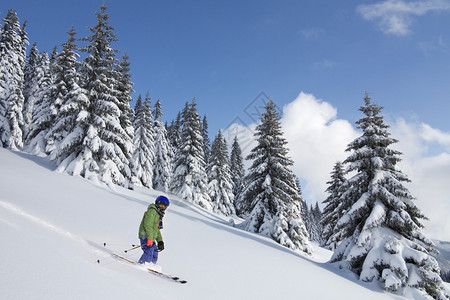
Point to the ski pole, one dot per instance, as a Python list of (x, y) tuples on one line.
[(134, 247)]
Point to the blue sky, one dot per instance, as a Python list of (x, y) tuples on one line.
[(225, 53), (315, 59)]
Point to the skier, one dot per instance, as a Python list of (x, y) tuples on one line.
[(149, 231)]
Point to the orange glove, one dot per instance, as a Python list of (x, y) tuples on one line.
[(150, 242)]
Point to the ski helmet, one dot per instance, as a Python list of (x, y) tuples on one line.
[(162, 202)]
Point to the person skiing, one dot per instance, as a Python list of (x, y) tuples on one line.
[(150, 230)]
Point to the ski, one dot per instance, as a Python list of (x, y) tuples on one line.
[(160, 274)]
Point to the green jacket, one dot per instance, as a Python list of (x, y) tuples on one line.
[(149, 227)]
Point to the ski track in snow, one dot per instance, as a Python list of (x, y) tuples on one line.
[(44, 224), (18, 211)]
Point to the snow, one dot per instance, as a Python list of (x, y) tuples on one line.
[(53, 226)]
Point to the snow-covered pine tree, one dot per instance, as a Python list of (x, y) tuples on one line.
[(311, 225), (381, 231), (236, 168), (220, 185), (32, 77), (124, 88), (317, 216), (102, 156), (189, 178), (143, 156), (311, 222), (332, 211), (13, 41), (299, 187), (206, 140), (310, 216), (272, 205), (157, 112), (41, 117), (174, 132), (137, 107), (169, 129), (306, 215), (64, 140), (53, 55), (166, 125), (174, 138), (162, 151)]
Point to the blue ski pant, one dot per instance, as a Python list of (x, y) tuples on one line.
[(150, 253)]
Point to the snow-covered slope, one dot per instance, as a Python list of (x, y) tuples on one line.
[(53, 226)]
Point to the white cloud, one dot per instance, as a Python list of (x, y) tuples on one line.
[(430, 134), (396, 16), (426, 161), (317, 139)]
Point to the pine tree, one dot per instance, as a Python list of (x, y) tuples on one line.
[(143, 156), (13, 41), (272, 205), (41, 117), (332, 211), (37, 102), (32, 78), (53, 56), (103, 156), (125, 89), (162, 151), (63, 68), (206, 140), (317, 216), (174, 138), (137, 108), (299, 188), (64, 140), (236, 168), (311, 218), (306, 216), (189, 176), (220, 184), (381, 228), (311, 225), (174, 132)]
